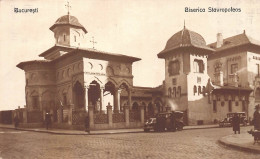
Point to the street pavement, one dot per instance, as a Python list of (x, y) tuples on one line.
[(191, 144)]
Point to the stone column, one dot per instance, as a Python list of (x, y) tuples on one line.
[(44, 112), (91, 116), (70, 113), (117, 101), (40, 102), (86, 97), (60, 114), (109, 115), (126, 112), (101, 98), (130, 98), (51, 112), (142, 114)]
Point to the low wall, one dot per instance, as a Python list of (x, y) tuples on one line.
[(6, 117), (31, 125), (121, 125)]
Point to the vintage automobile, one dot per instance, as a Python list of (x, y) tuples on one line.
[(228, 120), (170, 121)]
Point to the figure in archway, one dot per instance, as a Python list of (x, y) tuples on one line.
[(94, 96), (109, 94)]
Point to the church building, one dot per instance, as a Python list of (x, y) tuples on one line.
[(204, 81)]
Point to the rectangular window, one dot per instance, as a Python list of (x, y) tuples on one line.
[(257, 70), (174, 81), (198, 66), (230, 106), (234, 68), (214, 106), (64, 37), (174, 67), (75, 38), (199, 80)]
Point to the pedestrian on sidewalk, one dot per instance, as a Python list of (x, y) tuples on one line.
[(16, 121), (87, 129), (256, 119), (47, 120), (236, 123)]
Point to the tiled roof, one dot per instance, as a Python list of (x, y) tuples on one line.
[(185, 38), (235, 41), (21, 64), (91, 53), (68, 20), (232, 88)]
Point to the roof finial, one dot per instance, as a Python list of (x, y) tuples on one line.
[(68, 7), (93, 42), (244, 31), (184, 23)]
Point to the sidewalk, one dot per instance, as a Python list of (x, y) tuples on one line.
[(96, 132), (242, 141)]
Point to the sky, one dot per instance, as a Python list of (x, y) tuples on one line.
[(138, 28)]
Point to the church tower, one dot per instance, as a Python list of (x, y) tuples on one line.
[(68, 31), (186, 77)]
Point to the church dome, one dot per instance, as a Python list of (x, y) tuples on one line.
[(68, 20), (185, 38)]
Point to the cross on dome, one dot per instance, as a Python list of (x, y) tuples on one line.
[(93, 42), (68, 7)]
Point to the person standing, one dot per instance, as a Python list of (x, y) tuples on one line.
[(47, 120), (256, 118), (236, 123)]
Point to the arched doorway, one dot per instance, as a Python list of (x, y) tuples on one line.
[(124, 94), (78, 95)]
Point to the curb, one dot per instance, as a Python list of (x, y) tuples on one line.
[(224, 142), (104, 133), (201, 128), (63, 133)]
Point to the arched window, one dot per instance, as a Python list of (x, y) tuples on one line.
[(64, 37), (174, 92), (199, 90), (204, 91), (170, 92), (173, 67), (179, 90), (195, 90)]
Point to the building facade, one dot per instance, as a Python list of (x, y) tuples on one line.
[(204, 81)]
